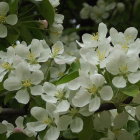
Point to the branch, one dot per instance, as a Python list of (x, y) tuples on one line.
[(11, 114)]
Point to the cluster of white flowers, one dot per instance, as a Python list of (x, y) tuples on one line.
[(100, 11), (108, 65)]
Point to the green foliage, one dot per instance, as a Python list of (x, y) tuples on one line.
[(20, 136), (46, 10), (131, 90)]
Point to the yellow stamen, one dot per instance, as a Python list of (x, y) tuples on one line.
[(123, 69), (92, 90), (48, 121), (95, 36), (60, 95), (2, 19), (7, 66), (26, 83), (101, 55), (56, 51)]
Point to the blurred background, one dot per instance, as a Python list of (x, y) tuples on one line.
[(41, 19)]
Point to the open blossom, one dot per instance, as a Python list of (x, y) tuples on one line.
[(123, 67), (92, 41), (92, 88), (23, 79)]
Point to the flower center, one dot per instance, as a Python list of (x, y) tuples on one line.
[(73, 111), (2, 19), (92, 90), (101, 55), (26, 83), (48, 121), (95, 36), (123, 69), (56, 51), (7, 66), (59, 95), (31, 57), (125, 47)]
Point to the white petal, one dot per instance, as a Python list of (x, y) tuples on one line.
[(97, 79), (39, 113), (2, 74), (49, 88), (36, 47), (106, 93), (120, 120), (64, 122), (19, 122), (81, 99), (74, 84), (36, 90), (52, 134), (64, 59), (102, 30), (3, 128), (22, 96), (22, 50), (4, 8), (48, 98), (37, 77), (131, 34), (57, 48), (124, 135), (11, 19), (133, 64), (63, 106), (76, 125), (119, 82), (94, 104), (3, 31), (89, 41), (36, 126), (134, 77)]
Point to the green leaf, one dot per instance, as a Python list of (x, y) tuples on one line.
[(25, 34), (88, 132), (46, 10), (13, 4), (69, 135), (3, 137), (13, 35), (20, 136), (74, 66), (131, 90), (67, 78), (132, 127), (8, 97)]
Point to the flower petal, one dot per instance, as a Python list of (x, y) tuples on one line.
[(94, 104), (76, 125), (36, 126), (52, 134), (3, 31), (106, 93), (39, 113), (63, 106), (22, 96), (36, 90), (81, 99), (119, 82), (11, 19), (12, 83)]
